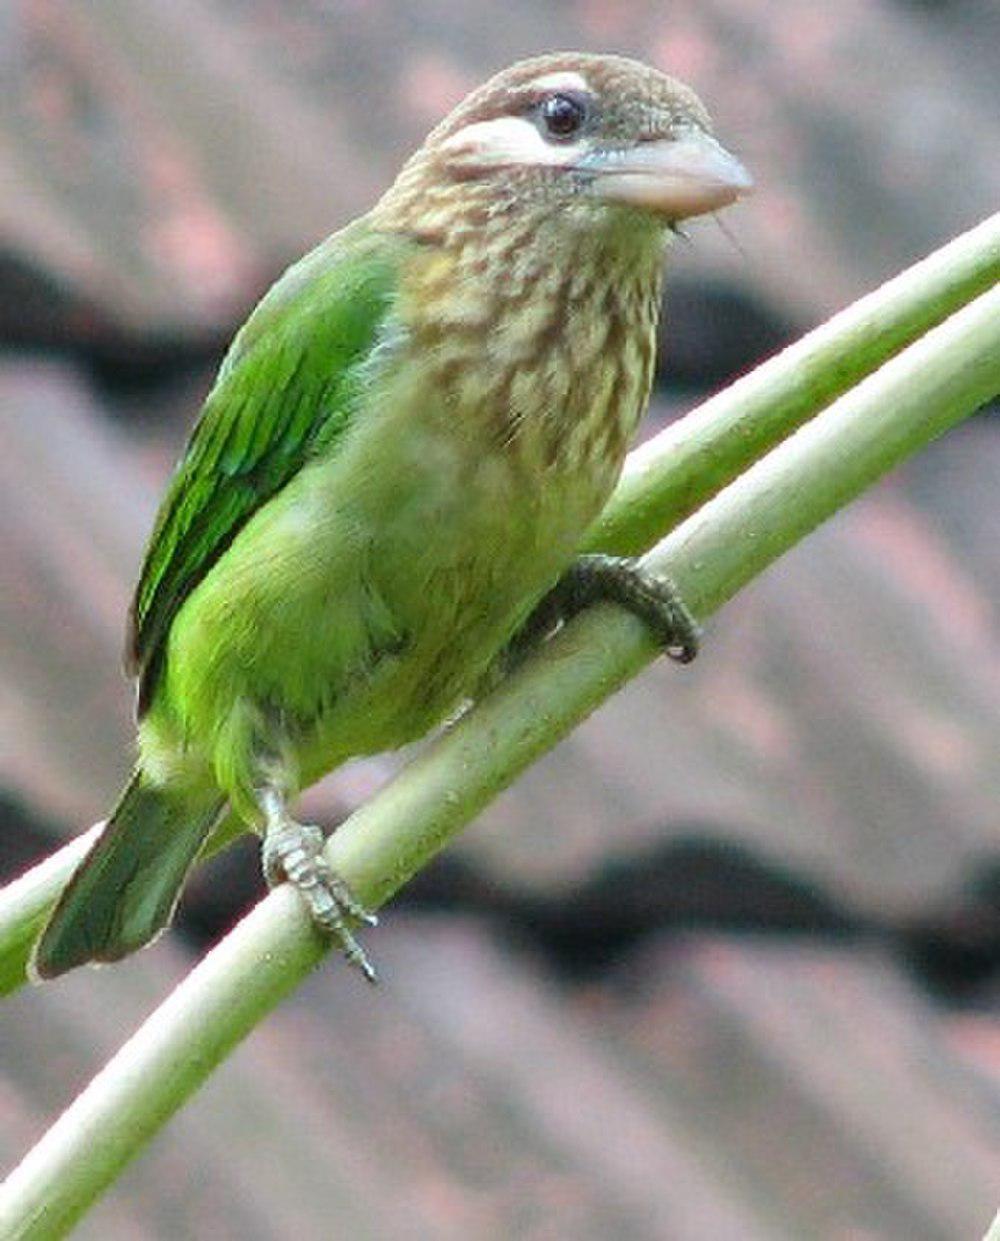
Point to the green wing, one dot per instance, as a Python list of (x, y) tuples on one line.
[(284, 391)]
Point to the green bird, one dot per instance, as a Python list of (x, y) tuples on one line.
[(388, 483)]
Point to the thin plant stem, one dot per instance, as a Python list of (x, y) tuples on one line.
[(674, 473)]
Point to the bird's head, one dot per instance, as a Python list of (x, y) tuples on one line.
[(586, 133)]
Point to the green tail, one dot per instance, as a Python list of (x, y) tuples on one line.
[(125, 889)]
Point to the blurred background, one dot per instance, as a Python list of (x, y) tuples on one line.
[(725, 963)]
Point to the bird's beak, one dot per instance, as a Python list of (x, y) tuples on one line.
[(674, 177)]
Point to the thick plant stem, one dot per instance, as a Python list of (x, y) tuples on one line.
[(683, 466), (913, 398)]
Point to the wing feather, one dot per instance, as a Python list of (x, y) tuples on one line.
[(285, 386)]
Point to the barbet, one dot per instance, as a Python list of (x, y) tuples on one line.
[(392, 473)]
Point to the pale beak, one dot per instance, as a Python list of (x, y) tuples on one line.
[(674, 177)]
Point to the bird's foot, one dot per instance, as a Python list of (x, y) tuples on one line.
[(597, 578), (294, 852)]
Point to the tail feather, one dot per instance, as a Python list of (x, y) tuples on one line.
[(125, 890)]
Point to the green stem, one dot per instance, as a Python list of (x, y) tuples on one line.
[(26, 903), (683, 466), (937, 381), (673, 474)]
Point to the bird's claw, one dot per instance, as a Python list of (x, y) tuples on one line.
[(294, 852), (597, 578), (655, 600)]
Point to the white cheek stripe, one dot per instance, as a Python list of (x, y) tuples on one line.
[(510, 140)]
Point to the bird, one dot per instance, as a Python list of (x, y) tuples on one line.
[(385, 491)]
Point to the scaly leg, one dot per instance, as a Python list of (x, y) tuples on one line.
[(596, 578), (294, 852)]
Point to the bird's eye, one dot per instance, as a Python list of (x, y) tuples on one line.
[(563, 115)]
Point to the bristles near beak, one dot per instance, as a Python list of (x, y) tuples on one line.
[(675, 177)]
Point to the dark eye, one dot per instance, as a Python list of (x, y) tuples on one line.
[(563, 115)]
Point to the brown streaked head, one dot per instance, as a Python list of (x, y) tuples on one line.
[(593, 131)]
